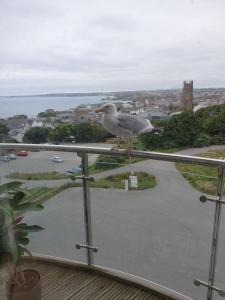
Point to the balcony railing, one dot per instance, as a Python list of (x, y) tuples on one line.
[(89, 245)]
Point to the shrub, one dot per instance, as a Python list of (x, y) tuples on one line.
[(202, 140), (181, 130), (105, 162), (151, 141), (218, 139)]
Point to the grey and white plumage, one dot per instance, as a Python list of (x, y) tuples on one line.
[(123, 125)]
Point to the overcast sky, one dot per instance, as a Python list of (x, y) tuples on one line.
[(101, 45)]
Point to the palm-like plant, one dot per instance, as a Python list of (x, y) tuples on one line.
[(13, 231)]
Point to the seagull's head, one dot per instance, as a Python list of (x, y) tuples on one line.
[(108, 108)]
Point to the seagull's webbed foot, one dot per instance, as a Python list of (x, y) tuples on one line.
[(115, 148), (130, 146), (128, 152)]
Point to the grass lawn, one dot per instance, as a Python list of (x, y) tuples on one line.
[(137, 145), (168, 150), (104, 166), (203, 178), (42, 194), (145, 181), (38, 176)]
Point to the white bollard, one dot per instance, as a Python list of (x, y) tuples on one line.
[(126, 185)]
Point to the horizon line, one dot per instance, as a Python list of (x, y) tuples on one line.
[(105, 93)]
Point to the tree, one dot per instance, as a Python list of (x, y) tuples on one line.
[(20, 117), (47, 114), (211, 119), (3, 132), (61, 132), (36, 135), (212, 122), (216, 124), (204, 127), (3, 129), (182, 129), (86, 132)]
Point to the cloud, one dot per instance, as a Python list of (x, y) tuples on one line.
[(115, 23), (89, 45)]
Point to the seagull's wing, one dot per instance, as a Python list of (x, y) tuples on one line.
[(133, 123)]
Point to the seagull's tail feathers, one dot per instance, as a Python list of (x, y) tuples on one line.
[(148, 128), (145, 130)]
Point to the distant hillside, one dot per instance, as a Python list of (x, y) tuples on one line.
[(66, 95), (128, 93)]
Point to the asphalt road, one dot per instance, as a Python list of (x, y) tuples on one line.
[(163, 234)]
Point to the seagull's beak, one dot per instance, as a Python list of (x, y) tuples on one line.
[(99, 110)]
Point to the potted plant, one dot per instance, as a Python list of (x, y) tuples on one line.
[(23, 284)]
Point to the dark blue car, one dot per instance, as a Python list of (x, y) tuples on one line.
[(73, 170)]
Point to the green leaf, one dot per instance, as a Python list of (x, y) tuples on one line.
[(24, 241), (20, 234), (14, 202), (25, 228), (34, 228), (2, 218), (14, 185), (29, 207), (21, 226)]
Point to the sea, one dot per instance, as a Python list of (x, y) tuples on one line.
[(32, 105)]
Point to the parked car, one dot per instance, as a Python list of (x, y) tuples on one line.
[(22, 153), (4, 158), (73, 170), (12, 156), (57, 159)]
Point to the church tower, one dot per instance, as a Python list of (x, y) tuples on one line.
[(187, 96)]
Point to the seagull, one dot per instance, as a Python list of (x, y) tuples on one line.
[(123, 125)]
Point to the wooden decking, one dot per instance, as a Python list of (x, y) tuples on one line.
[(66, 282)]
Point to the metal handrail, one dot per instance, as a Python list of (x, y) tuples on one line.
[(120, 152)]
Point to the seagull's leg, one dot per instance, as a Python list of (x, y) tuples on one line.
[(118, 141), (117, 146), (131, 143), (130, 146)]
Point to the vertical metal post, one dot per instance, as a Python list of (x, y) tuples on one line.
[(215, 237), (87, 209)]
